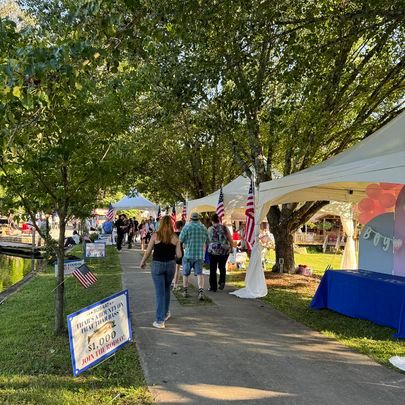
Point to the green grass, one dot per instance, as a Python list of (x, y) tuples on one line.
[(292, 294), (35, 365), (316, 261), (364, 336), (192, 299)]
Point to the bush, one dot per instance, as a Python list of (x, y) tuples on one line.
[(93, 236)]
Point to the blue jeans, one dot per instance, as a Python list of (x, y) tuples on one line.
[(162, 276), (196, 264)]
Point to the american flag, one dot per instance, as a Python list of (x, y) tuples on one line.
[(220, 206), (250, 218), (184, 212), (110, 214), (84, 276), (173, 216)]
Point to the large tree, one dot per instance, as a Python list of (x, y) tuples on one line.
[(62, 122), (293, 83), (288, 84)]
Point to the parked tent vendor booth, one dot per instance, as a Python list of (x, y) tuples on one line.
[(370, 174)]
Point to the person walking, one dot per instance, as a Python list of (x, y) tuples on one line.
[(131, 232), (142, 234), (194, 238), (136, 228), (179, 227), (166, 247), (219, 246), (121, 226)]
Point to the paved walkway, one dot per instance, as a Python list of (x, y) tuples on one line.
[(242, 351)]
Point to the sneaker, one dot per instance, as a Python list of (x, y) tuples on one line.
[(221, 286), (168, 316), (201, 295), (159, 325), (185, 293)]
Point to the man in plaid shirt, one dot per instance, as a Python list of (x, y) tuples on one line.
[(194, 238)]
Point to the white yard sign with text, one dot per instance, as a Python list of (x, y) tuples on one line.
[(69, 266), (99, 330)]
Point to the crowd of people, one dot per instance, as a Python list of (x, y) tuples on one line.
[(184, 249), (129, 230), (179, 248)]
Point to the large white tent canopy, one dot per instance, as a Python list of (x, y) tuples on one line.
[(137, 202), (378, 158), (235, 194)]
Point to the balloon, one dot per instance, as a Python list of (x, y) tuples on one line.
[(378, 208), (366, 204), (373, 190), (365, 217), (387, 200), (388, 186)]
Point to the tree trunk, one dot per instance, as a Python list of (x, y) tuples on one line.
[(284, 241), (283, 223), (60, 289)]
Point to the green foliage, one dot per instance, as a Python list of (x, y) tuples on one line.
[(37, 369)]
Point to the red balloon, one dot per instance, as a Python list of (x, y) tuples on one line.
[(366, 204), (365, 217), (387, 200), (373, 190), (388, 186), (378, 208)]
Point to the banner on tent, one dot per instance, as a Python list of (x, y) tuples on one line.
[(381, 240)]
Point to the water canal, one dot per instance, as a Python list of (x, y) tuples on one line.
[(13, 269)]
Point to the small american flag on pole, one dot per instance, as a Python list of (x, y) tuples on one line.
[(184, 212), (173, 216), (250, 218), (110, 213), (220, 206), (84, 276)]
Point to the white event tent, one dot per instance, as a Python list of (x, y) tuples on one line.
[(137, 202), (235, 194), (344, 177)]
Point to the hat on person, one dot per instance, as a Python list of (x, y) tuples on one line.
[(195, 216)]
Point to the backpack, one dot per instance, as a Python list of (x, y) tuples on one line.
[(219, 246)]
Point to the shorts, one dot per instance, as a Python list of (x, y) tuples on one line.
[(196, 264)]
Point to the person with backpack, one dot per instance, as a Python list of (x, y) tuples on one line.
[(219, 246)]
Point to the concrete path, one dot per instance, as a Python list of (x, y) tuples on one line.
[(242, 351)]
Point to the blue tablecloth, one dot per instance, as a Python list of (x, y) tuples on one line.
[(377, 297)]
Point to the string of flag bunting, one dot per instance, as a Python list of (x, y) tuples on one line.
[(378, 238)]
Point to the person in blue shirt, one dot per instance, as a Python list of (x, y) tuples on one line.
[(108, 227)]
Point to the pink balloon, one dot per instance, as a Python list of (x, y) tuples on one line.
[(388, 186), (387, 200), (366, 204), (378, 208), (373, 190), (365, 217)]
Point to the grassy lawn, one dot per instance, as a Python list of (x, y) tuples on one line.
[(35, 366), (316, 261), (292, 294)]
